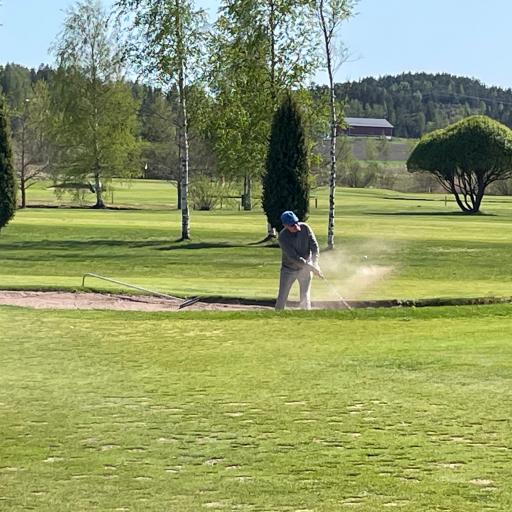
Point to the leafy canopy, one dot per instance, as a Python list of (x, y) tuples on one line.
[(96, 131), (466, 157)]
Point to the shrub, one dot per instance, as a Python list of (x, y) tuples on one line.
[(205, 194), (357, 176)]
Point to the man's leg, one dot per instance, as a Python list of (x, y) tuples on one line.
[(304, 278), (286, 280)]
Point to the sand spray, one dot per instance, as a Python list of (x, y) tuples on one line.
[(353, 270)]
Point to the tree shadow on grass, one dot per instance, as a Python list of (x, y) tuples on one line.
[(61, 244), (88, 245), (432, 214), (80, 207), (395, 198), (179, 245), (77, 244)]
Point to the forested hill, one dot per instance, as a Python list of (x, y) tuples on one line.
[(416, 103)]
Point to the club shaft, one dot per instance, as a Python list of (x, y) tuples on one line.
[(337, 293)]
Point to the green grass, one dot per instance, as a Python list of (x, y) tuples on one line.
[(322, 411), (372, 410), (430, 249), (133, 194)]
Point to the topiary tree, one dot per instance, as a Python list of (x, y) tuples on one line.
[(286, 180), (7, 176), (465, 158)]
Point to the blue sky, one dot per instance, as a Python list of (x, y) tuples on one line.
[(461, 37)]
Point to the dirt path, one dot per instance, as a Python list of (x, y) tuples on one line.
[(67, 300)]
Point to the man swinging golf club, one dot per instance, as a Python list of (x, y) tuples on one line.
[(299, 259)]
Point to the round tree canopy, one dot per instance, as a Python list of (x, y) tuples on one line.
[(477, 144)]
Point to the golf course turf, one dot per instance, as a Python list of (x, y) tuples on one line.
[(368, 410), (256, 411), (388, 246)]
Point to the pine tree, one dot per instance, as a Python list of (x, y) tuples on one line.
[(7, 178), (286, 180)]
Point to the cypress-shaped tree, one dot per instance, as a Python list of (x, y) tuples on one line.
[(7, 177), (286, 179)]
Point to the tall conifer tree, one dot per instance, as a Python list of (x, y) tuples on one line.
[(7, 178), (286, 180)]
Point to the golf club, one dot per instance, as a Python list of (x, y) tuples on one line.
[(333, 289), (337, 293)]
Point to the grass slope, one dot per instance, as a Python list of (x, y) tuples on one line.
[(430, 248), (321, 412)]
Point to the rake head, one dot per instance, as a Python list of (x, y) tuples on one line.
[(189, 302)]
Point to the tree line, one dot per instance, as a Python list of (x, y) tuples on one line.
[(206, 96), (444, 99), (417, 103)]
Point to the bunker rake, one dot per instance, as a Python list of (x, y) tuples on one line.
[(183, 304)]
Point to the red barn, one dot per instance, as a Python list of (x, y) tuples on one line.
[(363, 126)]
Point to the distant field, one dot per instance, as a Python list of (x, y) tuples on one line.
[(398, 150), (417, 244)]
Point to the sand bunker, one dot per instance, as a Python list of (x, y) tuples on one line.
[(119, 302), (66, 300)]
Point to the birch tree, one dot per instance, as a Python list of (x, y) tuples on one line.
[(241, 110), (330, 15), (262, 48), (96, 123), (166, 44)]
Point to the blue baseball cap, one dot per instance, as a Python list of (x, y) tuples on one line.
[(289, 218)]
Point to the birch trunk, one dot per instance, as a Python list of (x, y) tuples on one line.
[(271, 232), (23, 169), (98, 190), (247, 202), (328, 34), (184, 160), (332, 174), (182, 127)]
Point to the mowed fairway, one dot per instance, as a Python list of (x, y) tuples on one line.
[(417, 244), (405, 409)]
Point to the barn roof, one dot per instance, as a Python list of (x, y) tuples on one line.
[(368, 122)]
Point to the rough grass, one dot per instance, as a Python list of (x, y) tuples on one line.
[(367, 410), (430, 249)]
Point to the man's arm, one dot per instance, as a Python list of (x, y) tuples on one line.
[(313, 246), (315, 252)]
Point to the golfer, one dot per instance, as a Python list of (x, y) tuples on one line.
[(299, 259)]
